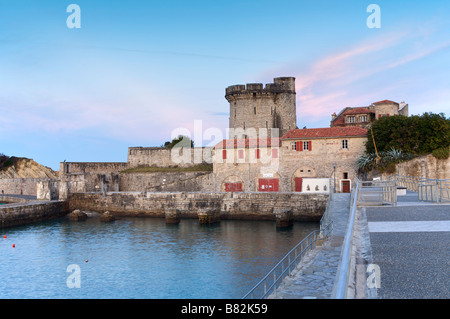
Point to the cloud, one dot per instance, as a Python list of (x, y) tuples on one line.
[(371, 70)]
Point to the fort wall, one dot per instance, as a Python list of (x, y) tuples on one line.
[(164, 157), (250, 206)]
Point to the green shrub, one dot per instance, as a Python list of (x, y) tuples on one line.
[(441, 153)]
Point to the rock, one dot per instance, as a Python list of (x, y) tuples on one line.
[(77, 216), (107, 217)]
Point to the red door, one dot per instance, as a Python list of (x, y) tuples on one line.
[(298, 184), (233, 187), (268, 185), (346, 186)]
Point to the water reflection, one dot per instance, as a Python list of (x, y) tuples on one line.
[(143, 258)]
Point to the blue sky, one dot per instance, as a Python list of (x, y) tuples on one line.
[(137, 70)]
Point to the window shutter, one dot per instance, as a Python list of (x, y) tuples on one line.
[(274, 153), (301, 146), (241, 154), (257, 153), (310, 145), (298, 146), (224, 154)]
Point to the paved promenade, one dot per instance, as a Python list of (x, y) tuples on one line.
[(408, 244), (315, 275)]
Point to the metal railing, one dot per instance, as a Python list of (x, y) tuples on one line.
[(434, 190), (428, 189), (284, 268), (377, 192), (340, 288)]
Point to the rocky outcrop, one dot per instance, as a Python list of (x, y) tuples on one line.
[(15, 167)]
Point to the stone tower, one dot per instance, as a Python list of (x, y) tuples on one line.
[(258, 107)]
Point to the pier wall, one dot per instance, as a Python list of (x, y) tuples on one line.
[(249, 206), (21, 214)]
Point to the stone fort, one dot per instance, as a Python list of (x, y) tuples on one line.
[(264, 152)]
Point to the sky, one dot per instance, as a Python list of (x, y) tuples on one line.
[(137, 71)]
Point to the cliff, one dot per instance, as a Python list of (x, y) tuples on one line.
[(19, 167)]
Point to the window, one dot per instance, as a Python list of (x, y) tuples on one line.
[(345, 175), (241, 154), (345, 144), (254, 110), (351, 119), (363, 118), (307, 145), (294, 146)]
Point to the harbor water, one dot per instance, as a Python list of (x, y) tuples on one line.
[(141, 258)]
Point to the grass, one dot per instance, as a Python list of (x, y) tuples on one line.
[(172, 169)]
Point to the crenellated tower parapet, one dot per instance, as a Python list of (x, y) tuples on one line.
[(257, 106)]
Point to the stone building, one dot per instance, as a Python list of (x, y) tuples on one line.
[(364, 116), (303, 160), (254, 107)]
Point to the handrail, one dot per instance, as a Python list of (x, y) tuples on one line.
[(269, 284), (340, 289), (309, 242)]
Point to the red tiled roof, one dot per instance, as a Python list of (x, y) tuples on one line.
[(358, 110), (384, 102), (326, 132), (249, 143), (340, 120)]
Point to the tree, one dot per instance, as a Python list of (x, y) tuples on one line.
[(185, 142), (418, 135)]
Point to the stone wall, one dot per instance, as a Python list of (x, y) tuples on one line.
[(256, 206), (21, 186), (21, 214), (167, 182), (91, 167), (163, 157), (423, 166)]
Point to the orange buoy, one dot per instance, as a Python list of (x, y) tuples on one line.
[(4, 236), (14, 245)]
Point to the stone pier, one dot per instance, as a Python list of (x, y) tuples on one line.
[(172, 216), (208, 216), (284, 218)]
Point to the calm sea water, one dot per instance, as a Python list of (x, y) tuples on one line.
[(141, 258)]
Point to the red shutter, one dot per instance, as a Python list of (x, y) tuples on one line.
[(238, 187), (274, 153), (299, 146), (298, 184), (224, 154), (310, 145), (241, 154), (257, 153)]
